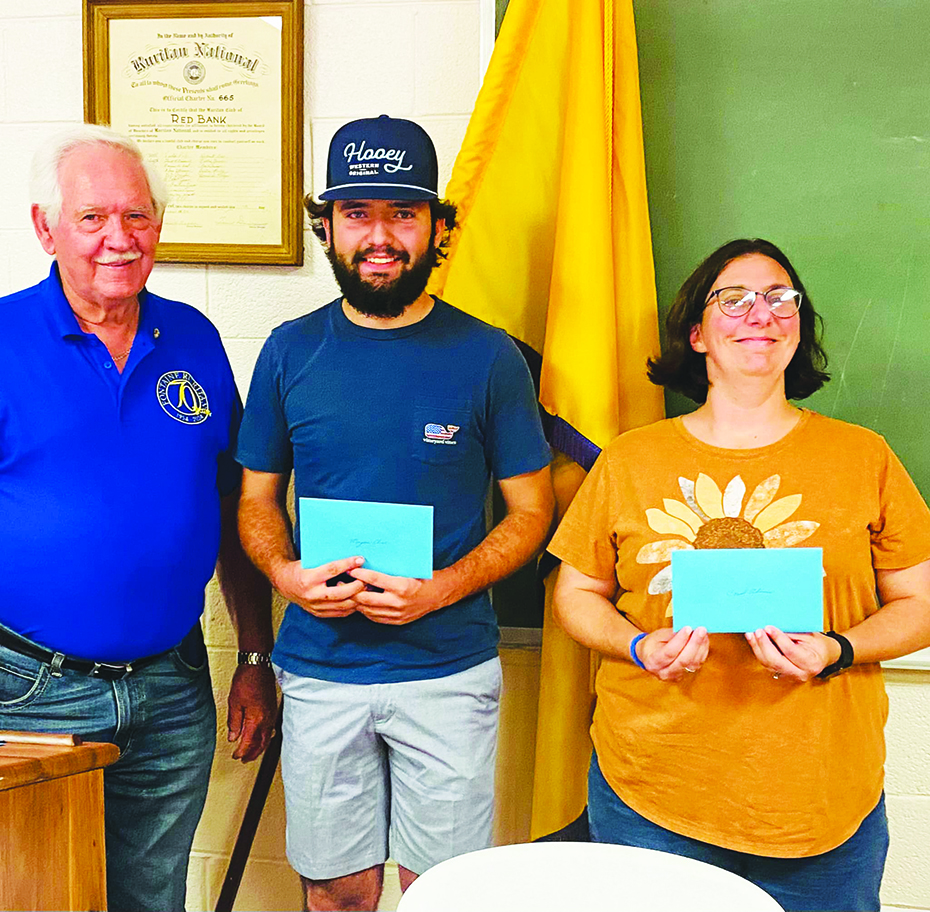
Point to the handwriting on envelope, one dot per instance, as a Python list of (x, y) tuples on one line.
[(393, 538), (733, 590)]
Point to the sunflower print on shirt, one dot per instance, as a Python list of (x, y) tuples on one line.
[(709, 518)]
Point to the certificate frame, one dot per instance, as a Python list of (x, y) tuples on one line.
[(285, 249)]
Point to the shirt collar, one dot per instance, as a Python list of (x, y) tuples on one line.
[(60, 312), (66, 323)]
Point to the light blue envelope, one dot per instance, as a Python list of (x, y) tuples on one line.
[(393, 538), (734, 590)]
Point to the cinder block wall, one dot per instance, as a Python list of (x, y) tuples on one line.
[(907, 789), (413, 58), (418, 58)]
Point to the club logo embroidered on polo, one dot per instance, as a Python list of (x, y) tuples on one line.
[(182, 397), (438, 433)]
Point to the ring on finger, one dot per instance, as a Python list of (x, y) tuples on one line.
[(777, 675), (689, 669)]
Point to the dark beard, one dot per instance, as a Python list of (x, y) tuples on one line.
[(385, 299)]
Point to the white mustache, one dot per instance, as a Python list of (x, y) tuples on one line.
[(118, 258)]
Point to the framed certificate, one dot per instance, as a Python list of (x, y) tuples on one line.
[(212, 91)]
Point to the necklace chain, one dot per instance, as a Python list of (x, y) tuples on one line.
[(84, 320)]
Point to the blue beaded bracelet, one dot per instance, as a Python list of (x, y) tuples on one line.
[(633, 644)]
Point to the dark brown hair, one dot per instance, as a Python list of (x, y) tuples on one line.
[(439, 209), (684, 370)]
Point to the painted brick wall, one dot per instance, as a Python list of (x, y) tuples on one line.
[(907, 788), (417, 58)]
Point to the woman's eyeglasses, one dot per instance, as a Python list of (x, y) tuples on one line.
[(737, 301)]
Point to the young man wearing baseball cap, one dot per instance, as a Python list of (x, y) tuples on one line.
[(388, 394)]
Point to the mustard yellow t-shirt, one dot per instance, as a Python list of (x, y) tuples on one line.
[(729, 755)]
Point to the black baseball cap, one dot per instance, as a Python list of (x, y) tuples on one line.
[(381, 158)]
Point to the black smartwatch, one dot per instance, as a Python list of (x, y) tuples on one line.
[(845, 659)]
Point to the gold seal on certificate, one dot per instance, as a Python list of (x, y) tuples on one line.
[(204, 98)]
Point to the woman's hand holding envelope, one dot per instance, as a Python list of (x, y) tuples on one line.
[(672, 656), (799, 656)]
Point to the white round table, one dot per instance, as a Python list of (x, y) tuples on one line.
[(577, 877)]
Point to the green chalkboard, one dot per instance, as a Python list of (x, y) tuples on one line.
[(500, 7), (806, 122)]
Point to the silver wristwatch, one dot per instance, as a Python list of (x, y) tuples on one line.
[(254, 658)]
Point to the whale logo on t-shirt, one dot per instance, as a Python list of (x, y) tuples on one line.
[(439, 432)]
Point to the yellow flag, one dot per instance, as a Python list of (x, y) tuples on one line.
[(554, 247)]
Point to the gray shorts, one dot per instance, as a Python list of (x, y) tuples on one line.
[(402, 770)]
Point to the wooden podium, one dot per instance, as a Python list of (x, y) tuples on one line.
[(51, 805)]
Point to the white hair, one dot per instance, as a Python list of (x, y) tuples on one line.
[(45, 185)]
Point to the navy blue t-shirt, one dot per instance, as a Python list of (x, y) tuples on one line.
[(368, 414), (110, 483)]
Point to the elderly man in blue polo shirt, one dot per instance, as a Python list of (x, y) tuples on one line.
[(391, 684), (118, 492)]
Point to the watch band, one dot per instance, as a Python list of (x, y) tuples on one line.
[(845, 659), (254, 658)]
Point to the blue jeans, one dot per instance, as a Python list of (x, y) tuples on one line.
[(163, 720), (847, 878)]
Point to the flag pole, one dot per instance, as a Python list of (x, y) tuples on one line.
[(251, 819)]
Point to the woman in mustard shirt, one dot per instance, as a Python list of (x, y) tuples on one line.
[(761, 753)]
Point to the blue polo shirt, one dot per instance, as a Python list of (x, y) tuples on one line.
[(109, 482), (422, 414)]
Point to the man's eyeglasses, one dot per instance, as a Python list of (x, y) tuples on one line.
[(737, 301)]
